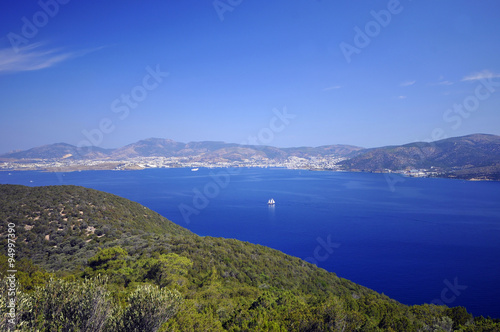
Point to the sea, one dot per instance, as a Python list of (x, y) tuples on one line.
[(417, 240)]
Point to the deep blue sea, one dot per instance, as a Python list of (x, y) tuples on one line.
[(416, 240)]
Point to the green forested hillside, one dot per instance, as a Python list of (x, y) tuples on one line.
[(92, 261)]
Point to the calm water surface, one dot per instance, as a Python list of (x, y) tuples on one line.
[(415, 240)]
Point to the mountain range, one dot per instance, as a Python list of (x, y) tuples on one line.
[(475, 156), (160, 147)]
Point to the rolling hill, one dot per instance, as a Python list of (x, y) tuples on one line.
[(103, 248), (469, 156), (58, 151)]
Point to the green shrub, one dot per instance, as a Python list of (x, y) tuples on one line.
[(71, 305), (148, 308)]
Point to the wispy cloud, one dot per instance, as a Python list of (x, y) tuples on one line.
[(401, 97), (442, 83), (335, 87), (408, 83), (480, 75), (34, 57)]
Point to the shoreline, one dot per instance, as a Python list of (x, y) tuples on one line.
[(111, 166)]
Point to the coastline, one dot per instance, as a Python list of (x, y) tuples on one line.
[(123, 166)]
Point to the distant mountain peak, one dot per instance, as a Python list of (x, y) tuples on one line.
[(157, 139)]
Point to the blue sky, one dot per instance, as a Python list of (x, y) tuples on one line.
[(367, 73)]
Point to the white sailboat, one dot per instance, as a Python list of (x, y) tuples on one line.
[(271, 202)]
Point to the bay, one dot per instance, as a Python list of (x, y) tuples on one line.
[(417, 240)]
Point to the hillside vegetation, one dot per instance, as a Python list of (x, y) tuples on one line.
[(473, 156), (92, 261)]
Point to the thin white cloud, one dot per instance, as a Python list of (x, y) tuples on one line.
[(442, 83), (335, 87), (34, 57), (480, 75), (401, 97), (408, 83)]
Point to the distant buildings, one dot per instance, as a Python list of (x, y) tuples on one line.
[(327, 163)]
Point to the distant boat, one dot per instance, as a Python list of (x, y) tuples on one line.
[(194, 169), (271, 202)]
